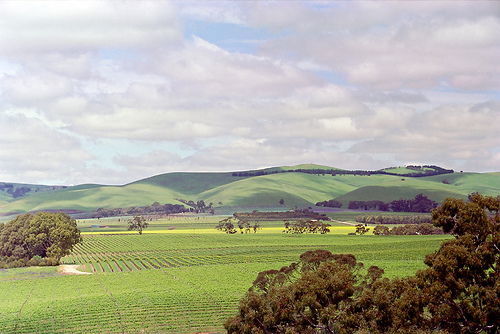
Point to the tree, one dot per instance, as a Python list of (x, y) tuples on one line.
[(256, 227), (138, 223), (324, 293), (51, 235), (244, 225), (361, 229), (381, 230), (226, 225), (12, 237), (306, 226), (462, 281)]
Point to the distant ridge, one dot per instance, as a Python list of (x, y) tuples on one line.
[(296, 186)]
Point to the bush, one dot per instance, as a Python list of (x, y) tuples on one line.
[(52, 261), (17, 264)]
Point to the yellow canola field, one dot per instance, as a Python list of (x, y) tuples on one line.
[(272, 230)]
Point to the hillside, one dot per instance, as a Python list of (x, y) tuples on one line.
[(301, 186)]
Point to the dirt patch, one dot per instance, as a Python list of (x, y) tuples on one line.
[(71, 269)]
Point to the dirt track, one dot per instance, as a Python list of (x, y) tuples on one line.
[(71, 269)]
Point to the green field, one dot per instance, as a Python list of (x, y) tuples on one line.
[(180, 276)]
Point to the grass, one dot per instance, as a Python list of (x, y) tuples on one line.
[(183, 280), (27, 273)]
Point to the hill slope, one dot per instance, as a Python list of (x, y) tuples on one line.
[(258, 188)]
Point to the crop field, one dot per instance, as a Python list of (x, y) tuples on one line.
[(186, 279)]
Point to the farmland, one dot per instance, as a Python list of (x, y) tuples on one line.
[(180, 276)]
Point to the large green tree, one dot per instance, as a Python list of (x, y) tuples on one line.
[(51, 235), (462, 283)]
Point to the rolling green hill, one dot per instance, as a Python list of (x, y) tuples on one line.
[(264, 187)]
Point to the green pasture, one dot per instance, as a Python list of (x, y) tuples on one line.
[(296, 189), (404, 170), (186, 279)]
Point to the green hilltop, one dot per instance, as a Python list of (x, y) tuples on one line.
[(298, 186)]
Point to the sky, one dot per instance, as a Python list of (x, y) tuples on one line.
[(111, 92)]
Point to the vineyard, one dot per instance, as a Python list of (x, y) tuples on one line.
[(177, 282)]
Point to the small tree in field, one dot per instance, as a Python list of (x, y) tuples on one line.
[(138, 223), (361, 229)]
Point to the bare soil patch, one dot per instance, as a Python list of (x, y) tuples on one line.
[(71, 269)]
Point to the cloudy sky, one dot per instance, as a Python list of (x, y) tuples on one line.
[(111, 92)]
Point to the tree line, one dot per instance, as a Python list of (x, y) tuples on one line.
[(198, 206), (306, 226), (419, 171), (228, 225), (34, 240), (394, 220), (153, 209), (420, 203), (408, 229), (457, 292)]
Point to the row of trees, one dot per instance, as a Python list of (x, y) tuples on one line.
[(153, 209), (420, 203), (330, 204), (419, 171), (394, 220), (41, 239), (408, 229), (199, 206), (229, 224), (458, 292), (306, 226)]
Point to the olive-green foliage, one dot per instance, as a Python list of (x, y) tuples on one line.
[(51, 235), (462, 283), (361, 229), (328, 293), (28, 238), (408, 229), (306, 226), (12, 237), (138, 223)]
